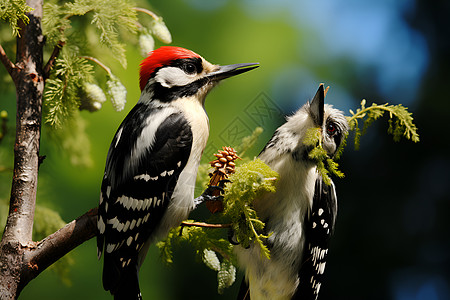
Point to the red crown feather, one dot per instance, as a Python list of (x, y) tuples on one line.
[(160, 57)]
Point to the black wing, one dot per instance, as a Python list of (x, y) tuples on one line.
[(136, 190), (318, 229)]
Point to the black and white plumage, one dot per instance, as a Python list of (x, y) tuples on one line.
[(151, 167), (300, 215)]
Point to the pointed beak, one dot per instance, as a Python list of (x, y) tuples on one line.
[(317, 105), (231, 70)]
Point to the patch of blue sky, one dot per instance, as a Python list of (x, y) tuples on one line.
[(372, 34)]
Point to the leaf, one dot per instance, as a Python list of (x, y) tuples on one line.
[(13, 11), (250, 180), (400, 121), (312, 137), (55, 23), (61, 96), (109, 17)]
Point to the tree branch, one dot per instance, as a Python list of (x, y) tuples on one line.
[(146, 11), (9, 66), (204, 225), (27, 76), (29, 91), (52, 248), (99, 63), (51, 61)]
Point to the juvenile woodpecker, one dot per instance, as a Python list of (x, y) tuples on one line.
[(151, 166), (300, 215)]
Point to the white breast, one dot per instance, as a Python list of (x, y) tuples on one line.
[(277, 278)]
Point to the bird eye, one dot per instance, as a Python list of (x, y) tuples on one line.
[(190, 68), (331, 128)]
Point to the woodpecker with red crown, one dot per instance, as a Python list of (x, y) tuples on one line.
[(151, 167)]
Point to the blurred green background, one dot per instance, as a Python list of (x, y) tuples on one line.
[(392, 238)]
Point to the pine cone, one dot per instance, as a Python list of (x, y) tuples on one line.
[(224, 165)]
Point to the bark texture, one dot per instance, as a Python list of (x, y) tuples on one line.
[(27, 76), (21, 259)]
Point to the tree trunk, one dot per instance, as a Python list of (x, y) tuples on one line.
[(28, 78)]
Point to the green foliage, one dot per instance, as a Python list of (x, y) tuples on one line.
[(400, 125), (108, 21), (325, 165), (247, 143), (400, 121), (199, 239), (13, 11), (250, 181), (75, 32), (61, 97), (72, 74), (206, 242), (108, 17), (71, 85)]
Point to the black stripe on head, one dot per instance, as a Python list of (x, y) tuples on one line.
[(165, 94), (191, 65)]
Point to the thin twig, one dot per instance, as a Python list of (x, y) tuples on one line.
[(9, 66), (103, 66), (204, 225), (146, 11), (51, 61)]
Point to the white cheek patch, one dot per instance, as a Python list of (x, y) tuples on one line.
[(172, 76)]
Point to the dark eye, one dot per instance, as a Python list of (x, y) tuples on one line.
[(190, 68), (331, 128)]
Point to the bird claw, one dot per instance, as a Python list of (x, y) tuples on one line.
[(207, 195), (212, 188), (223, 181)]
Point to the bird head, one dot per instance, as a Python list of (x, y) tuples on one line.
[(332, 121), (169, 73)]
